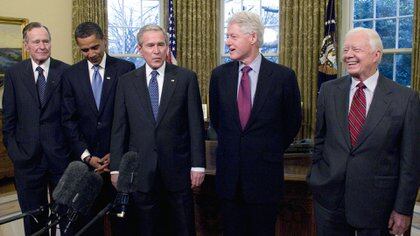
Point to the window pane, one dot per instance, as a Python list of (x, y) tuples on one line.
[(138, 61), (386, 29), (226, 60), (122, 40), (271, 38), (363, 9), (270, 12), (273, 59), (405, 37), (403, 74), (387, 65), (406, 7), (385, 8), (231, 7), (252, 6), (364, 24)]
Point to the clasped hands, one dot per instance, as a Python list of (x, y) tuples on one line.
[(100, 164)]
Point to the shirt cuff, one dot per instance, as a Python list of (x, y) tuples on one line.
[(198, 169), (85, 154), (114, 172)]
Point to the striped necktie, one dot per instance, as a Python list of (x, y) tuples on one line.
[(41, 84), (357, 114), (154, 93)]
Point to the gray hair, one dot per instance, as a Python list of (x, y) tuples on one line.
[(249, 23), (32, 26), (151, 27), (374, 38)]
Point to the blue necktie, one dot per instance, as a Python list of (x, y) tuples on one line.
[(41, 83), (154, 93), (97, 85)]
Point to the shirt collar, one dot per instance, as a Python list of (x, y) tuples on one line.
[(370, 82), (44, 65), (101, 64), (255, 64), (160, 70)]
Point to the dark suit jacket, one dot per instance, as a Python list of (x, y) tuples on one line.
[(381, 172), (30, 130), (175, 142), (85, 126), (253, 158)]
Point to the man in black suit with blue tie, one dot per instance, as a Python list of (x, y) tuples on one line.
[(88, 104), (32, 131), (255, 110)]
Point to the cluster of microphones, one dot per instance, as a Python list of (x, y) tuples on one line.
[(77, 190)]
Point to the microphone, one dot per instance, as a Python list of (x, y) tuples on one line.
[(127, 174), (32, 213), (86, 191)]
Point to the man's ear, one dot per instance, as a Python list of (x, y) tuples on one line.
[(253, 38), (139, 49)]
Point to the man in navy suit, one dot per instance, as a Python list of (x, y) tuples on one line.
[(88, 104), (32, 131), (255, 110), (158, 114)]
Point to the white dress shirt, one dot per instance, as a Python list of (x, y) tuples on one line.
[(45, 66), (370, 84)]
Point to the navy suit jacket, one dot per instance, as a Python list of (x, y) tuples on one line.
[(29, 130), (253, 158), (86, 127)]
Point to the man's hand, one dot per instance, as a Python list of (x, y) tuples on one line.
[(114, 180), (197, 178), (398, 223), (100, 164)]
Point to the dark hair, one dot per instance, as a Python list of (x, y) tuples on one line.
[(32, 26), (87, 29)]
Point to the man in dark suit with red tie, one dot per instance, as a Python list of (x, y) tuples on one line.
[(32, 131), (255, 110), (365, 171), (88, 106)]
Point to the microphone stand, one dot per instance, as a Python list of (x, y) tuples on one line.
[(47, 227), (97, 217), (29, 213)]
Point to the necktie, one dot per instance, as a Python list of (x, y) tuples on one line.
[(154, 93), (97, 85), (357, 114), (244, 97), (41, 84)]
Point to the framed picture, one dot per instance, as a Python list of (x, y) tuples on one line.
[(11, 45)]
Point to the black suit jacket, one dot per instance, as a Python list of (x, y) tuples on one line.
[(381, 172), (175, 142), (30, 130), (253, 158), (85, 126)]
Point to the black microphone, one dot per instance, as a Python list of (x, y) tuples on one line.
[(127, 174), (32, 213), (86, 191)]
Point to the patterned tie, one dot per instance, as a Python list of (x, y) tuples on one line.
[(244, 97), (154, 93), (357, 114), (41, 83), (97, 85)]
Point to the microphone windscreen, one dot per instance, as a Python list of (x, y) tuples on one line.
[(66, 187), (87, 191), (127, 172)]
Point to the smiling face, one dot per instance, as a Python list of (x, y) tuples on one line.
[(92, 48), (360, 59), (242, 46), (153, 48), (38, 44)]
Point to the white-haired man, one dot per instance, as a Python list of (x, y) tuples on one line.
[(365, 167), (255, 110)]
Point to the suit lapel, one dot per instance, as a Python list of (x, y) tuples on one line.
[(169, 85), (232, 91), (86, 86), (29, 80), (378, 107), (143, 92), (52, 81), (341, 100), (108, 81)]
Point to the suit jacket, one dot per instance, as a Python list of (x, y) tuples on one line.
[(253, 158), (381, 172), (85, 126), (174, 142), (29, 130)]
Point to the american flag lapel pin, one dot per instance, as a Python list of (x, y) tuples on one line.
[(108, 78)]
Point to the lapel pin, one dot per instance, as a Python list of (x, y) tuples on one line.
[(172, 80), (108, 78)]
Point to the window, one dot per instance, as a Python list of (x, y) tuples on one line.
[(269, 13), (125, 17), (393, 20)]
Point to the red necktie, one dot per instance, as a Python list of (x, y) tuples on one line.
[(357, 114), (244, 97)]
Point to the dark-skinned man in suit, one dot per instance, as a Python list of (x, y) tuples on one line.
[(365, 170), (32, 131), (158, 114), (255, 110), (88, 109)]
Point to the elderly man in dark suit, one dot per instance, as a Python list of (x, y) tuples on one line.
[(158, 114), (32, 131), (255, 110), (88, 105), (365, 170)]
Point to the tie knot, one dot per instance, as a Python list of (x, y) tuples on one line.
[(361, 85), (246, 69), (154, 73), (96, 68), (39, 69)]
